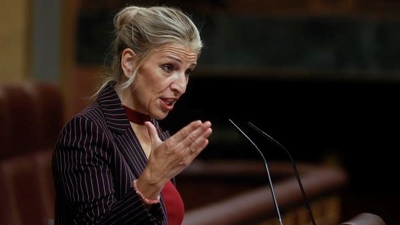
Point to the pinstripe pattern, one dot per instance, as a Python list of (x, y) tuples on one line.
[(96, 158)]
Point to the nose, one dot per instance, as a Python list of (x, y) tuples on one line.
[(180, 82)]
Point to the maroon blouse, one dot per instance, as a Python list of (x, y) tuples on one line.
[(174, 204)]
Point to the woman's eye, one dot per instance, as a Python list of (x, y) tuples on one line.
[(167, 67), (188, 72)]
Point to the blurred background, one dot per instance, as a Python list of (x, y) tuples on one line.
[(320, 76)]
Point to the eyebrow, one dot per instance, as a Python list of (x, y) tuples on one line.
[(179, 60), (174, 58)]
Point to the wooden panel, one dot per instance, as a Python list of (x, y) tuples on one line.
[(268, 7), (386, 8), (81, 84), (14, 40), (331, 7), (252, 203)]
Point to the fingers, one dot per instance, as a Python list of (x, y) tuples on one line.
[(194, 137), (199, 138), (184, 132), (197, 148), (171, 156)]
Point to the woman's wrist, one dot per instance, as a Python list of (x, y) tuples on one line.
[(146, 200)]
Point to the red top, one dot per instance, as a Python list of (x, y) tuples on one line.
[(174, 204)]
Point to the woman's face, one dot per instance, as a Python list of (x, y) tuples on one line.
[(162, 80)]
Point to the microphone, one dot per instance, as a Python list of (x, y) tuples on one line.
[(293, 166), (266, 168)]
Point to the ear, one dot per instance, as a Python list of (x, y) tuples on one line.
[(128, 57)]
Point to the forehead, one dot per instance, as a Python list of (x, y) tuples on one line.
[(177, 51)]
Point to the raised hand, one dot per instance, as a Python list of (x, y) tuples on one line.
[(169, 158)]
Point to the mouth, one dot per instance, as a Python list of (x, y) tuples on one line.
[(169, 102)]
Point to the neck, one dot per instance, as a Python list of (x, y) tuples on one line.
[(135, 116)]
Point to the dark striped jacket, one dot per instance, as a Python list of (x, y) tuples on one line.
[(95, 160)]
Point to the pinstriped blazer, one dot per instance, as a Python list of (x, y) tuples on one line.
[(95, 160)]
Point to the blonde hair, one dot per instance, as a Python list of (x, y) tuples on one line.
[(144, 29)]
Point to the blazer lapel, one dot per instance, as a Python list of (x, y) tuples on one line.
[(118, 123)]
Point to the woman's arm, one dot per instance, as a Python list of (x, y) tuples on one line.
[(83, 169)]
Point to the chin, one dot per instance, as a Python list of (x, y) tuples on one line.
[(161, 116)]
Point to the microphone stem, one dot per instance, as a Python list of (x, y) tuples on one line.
[(272, 189), (294, 169), (303, 192), (268, 173)]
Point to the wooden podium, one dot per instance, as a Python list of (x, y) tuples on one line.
[(238, 193)]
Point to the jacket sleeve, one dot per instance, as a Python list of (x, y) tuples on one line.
[(84, 179)]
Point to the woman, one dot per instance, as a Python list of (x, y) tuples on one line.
[(113, 163)]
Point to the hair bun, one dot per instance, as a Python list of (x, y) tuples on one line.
[(124, 16)]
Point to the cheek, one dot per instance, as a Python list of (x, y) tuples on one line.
[(156, 86), (149, 81)]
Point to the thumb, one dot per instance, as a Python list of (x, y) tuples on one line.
[(154, 138)]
